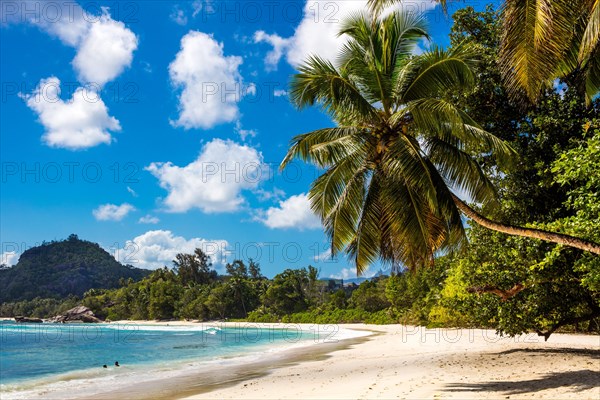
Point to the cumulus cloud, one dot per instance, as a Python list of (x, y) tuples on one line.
[(293, 212), (79, 123), (9, 258), (157, 248), (104, 51), (280, 93), (112, 212), (148, 219), (210, 83), (104, 46), (213, 182), (317, 32)]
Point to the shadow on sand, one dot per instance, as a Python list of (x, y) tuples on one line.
[(594, 353), (577, 381)]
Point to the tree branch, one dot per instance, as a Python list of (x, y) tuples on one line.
[(567, 321), (553, 237), (504, 294)]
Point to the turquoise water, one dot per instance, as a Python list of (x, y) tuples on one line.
[(33, 353)]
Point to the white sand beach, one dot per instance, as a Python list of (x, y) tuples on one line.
[(376, 362), (418, 363)]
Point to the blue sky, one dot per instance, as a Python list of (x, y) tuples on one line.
[(155, 127)]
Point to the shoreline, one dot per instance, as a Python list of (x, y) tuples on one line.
[(221, 377), (195, 375), (384, 361), (416, 363)]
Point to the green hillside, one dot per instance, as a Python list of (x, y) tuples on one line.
[(61, 268)]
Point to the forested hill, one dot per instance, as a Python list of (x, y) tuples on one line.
[(58, 269)]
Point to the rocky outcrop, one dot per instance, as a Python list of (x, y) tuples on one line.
[(26, 320), (77, 314)]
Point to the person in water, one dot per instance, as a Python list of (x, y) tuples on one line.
[(104, 366), (117, 364)]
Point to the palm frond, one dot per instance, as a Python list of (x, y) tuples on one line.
[(337, 197), (591, 35), (323, 147), (365, 245), (440, 118), (435, 72), (537, 35), (460, 170), (377, 6), (592, 75), (319, 82)]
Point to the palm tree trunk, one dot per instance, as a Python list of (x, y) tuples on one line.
[(553, 237)]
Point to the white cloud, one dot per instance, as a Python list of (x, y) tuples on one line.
[(244, 133), (105, 51), (112, 212), (104, 46), (9, 258), (280, 92), (148, 219), (178, 16), (317, 33), (345, 273), (280, 46), (325, 257), (132, 192), (294, 212), (155, 249), (210, 81), (80, 123), (265, 195), (198, 5), (213, 182), (349, 273)]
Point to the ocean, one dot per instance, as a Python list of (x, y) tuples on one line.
[(48, 360)]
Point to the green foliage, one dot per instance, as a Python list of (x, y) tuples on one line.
[(38, 307), (194, 268), (553, 187), (164, 294), (370, 296), (287, 293), (559, 284), (219, 301), (192, 303)]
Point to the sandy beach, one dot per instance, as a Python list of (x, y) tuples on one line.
[(417, 363), (358, 361)]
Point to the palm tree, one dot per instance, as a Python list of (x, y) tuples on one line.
[(544, 40), (399, 149)]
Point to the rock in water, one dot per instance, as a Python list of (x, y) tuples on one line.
[(79, 313)]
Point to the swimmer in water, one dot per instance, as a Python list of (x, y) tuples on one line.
[(117, 364)]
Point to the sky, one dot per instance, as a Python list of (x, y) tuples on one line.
[(155, 127)]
